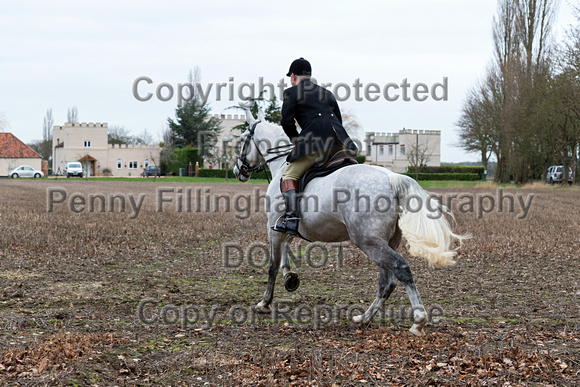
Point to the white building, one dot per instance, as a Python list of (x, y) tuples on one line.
[(227, 123), (392, 150), (88, 143), (395, 150)]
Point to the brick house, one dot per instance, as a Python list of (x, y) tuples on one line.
[(14, 153)]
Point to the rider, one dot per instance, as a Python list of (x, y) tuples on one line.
[(322, 135)]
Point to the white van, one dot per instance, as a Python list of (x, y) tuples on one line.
[(74, 169)]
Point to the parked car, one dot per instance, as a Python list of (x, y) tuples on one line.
[(556, 174), (151, 170), (25, 171), (74, 169)]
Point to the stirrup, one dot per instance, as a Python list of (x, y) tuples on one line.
[(281, 227)]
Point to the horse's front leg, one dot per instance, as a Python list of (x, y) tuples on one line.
[(291, 280), (276, 240)]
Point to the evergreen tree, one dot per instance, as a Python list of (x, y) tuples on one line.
[(193, 124), (272, 112)]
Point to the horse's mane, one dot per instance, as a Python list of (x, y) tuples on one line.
[(272, 126), (275, 129)]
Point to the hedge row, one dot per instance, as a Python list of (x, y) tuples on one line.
[(181, 159), (220, 173), (203, 172), (447, 169), (445, 176)]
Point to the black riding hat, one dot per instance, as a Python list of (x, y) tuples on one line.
[(300, 67)]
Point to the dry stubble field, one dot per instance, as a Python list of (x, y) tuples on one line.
[(71, 283)]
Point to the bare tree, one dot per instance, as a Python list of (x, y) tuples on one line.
[(119, 135), (504, 115), (36, 146), (570, 48), (46, 147), (534, 20), (418, 153), (565, 99), (564, 111), (353, 128), (194, 78), (212, 151), (72, 115), (145, 138), (47, 126), (192, 120), (479, 124), (167, 156), (154, 161), (167, 137), (3, 122), (507, 63), (473, 135)]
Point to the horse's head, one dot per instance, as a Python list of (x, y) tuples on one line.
[(250, 158)]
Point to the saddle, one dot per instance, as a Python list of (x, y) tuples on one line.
[(340, 159)]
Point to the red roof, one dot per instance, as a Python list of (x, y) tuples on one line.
[(13, 148)]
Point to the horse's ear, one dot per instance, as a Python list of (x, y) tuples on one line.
[(261, 115), (249, 117)]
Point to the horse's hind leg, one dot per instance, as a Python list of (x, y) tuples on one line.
[(387, 284), (387, 259), (403, 274), (395, 240)]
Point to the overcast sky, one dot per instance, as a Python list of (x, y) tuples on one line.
[(59, 54)]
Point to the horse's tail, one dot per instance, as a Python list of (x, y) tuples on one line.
[(423, 223)]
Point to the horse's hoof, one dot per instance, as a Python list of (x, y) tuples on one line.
[(417, 330), (263, 308), (291, 281)]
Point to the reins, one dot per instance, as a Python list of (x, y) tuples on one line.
[(246, 169)]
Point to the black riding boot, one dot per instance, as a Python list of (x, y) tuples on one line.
[(290, 223)]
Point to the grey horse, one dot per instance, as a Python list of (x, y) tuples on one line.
[(371, 206)]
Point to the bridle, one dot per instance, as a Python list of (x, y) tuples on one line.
[(245, 168)]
